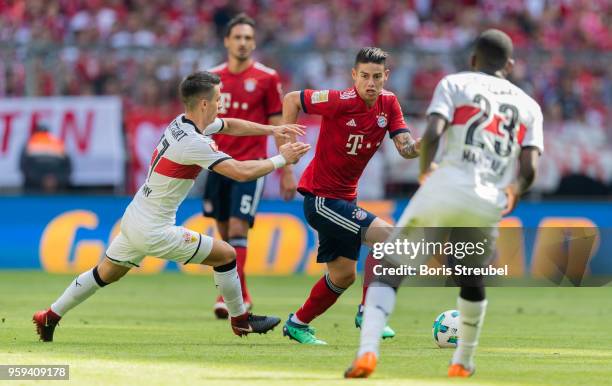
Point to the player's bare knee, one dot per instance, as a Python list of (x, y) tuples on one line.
[(229, 254), (347, 281), (343, 279), (222, 253), (350, 279), (110, 272)]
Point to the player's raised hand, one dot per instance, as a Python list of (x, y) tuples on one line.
[(293, 151), (288, 131)]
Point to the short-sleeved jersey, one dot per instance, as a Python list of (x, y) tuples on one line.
[(350, 134), (254, 95), (181, 154), (489, 119)]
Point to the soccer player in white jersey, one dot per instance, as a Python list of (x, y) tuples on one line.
[(148, 224), (489, 127)]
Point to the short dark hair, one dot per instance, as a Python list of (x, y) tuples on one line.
[(493, 48), (197, 85), (371, 55), (241, 18)]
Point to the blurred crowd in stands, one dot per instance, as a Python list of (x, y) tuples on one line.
[(140, 49)]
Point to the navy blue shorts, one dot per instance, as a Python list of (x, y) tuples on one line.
[(339, 224), (225, 198)]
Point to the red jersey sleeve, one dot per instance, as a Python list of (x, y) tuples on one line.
[(397, 124), (320, 102), (274, 101)]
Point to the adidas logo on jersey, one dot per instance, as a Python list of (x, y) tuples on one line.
[(351, 123)]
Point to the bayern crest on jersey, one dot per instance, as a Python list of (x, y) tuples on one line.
[(382, 120), (250, 84), (359, 214)]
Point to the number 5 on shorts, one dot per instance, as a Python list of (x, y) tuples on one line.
[(246, 203)]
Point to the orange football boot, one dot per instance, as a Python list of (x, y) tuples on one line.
[(362, 367), (459, 371)]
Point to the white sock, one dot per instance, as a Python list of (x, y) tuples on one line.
[(228, 283), (471, 317), (379, 304), (295, 320), (78, 291)]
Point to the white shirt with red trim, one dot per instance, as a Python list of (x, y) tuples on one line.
[(181, 154), (490, 120)]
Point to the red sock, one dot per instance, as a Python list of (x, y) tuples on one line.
[(368, 275), (241, 254), (322, 296), (52, 316)]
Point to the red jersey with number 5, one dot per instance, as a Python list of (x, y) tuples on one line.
[(253, 94), (350, 134)]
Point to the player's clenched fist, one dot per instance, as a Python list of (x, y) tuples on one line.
[(293, 151)]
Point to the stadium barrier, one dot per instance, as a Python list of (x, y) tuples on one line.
[(69, 234), (89, 126), (100, 131)]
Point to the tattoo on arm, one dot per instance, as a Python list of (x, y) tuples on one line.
[(406, 146)]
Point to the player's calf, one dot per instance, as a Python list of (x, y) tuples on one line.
[(387, 333), (109, 272), (472, 308), (221, 254), (228, 282)]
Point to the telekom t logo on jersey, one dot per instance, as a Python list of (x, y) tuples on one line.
[(354, 143), (226, 103)]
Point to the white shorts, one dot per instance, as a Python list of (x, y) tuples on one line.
[(174, 243), (441, 204)]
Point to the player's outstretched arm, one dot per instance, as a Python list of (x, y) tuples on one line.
[(288, 183), (406, 145), (291, 107), (241, 127), (242, 171), (436, 124), (528, 165)]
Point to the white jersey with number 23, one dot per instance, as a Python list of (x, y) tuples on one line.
[(489, 121)]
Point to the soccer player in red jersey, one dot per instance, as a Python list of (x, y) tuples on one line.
[(250, 91), (354, 125)]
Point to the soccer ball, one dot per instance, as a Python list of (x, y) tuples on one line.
[(446, 329)]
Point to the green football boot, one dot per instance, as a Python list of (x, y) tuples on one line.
[(388, 332), (301, 333)]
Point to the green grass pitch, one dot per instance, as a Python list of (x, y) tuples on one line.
[(160, 330)]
